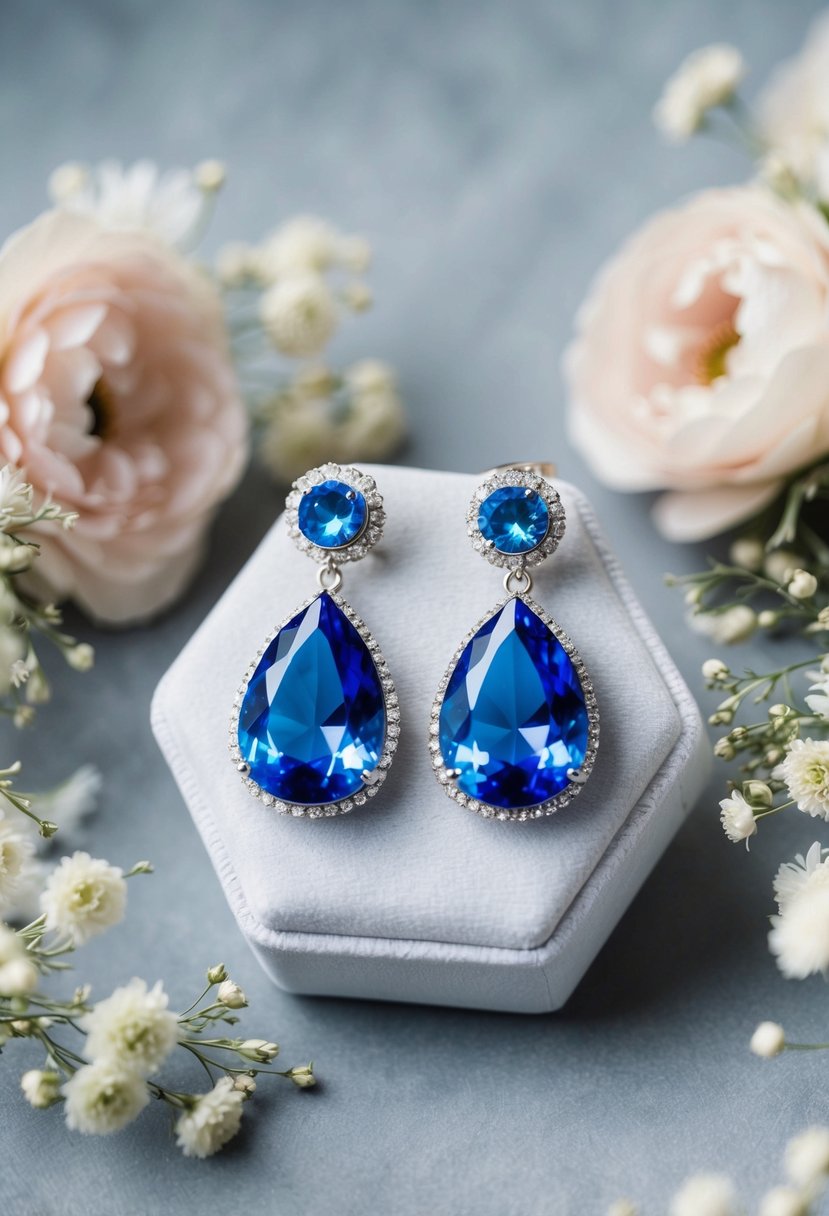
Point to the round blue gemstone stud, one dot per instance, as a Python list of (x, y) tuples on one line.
[(332, 514), (515, 519)]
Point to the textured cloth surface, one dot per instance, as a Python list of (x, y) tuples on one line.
[(495, 154)]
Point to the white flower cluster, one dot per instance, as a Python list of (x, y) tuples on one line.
[(799, 936), (356, 416)]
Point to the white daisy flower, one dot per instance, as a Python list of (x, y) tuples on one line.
[(84, 896), (707, 78), (301, 246), (793, 876), (133, 1027), (103, 1097), (805, 770), (170, 204), (807, 1156), (737, 818), (213, 1120), (705, 1195), (299, 315)]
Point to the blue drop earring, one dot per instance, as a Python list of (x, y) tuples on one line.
[(316, 719), (515, 725)]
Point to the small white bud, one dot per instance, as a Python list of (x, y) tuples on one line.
[(41, 1087), (768, 618), (714, 669), (758, 794), (231, 995), (768, 1040), (258, 1050), (217, 974), (783, 1201), (81, 657), (303, 1076), (210, 176), (748, 553), (67, 180), (803, 585)]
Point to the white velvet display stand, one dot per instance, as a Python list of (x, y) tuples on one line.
[(412, 898)]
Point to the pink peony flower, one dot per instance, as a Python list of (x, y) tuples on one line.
[(118, 399), (701, 363)]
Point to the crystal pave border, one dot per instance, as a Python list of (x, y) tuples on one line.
[(571, 791), (392, 707), (371, 531), (530, 481)]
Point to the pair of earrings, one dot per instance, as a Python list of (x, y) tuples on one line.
[(514, 726)]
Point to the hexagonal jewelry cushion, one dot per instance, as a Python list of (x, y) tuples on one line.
[(411, 897)]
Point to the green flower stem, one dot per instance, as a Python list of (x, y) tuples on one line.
[(182, 1017)]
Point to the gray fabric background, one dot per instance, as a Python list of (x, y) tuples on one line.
[(495, 154)]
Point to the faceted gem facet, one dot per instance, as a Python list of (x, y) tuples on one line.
[(332, 514), (313, 717), (514, 518), (513, 718)]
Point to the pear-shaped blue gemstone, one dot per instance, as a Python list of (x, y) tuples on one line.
[(313, 717), (513, 718)]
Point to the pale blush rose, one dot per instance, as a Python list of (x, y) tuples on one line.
[(701, 363), (117, 398)]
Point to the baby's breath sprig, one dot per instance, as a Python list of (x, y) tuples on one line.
[(102, 1060)]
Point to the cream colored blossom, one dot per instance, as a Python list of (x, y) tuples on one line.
[(709, 77), (803, 585), (213, 1120), (714, 669), (299, 315), (705, 1195), (794, 111), (18, 974), (792, 877), (83, 897), (799, 936), (134, 197), (231, 995), (737, 818), (807, 1156), (376, 422), (735, 624), (805, 770), (104, 1097), (41, 1087), (16, 855), (301, 246), (781, 564), (748, 553), (783, 1201), (768, 1040), (132, 1027)]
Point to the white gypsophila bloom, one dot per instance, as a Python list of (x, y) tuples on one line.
[(807, 1156), (83, 896), (737, 818), (16, 854), (805, 770), (237, 263), (41, 1087), (213, 1120), (803, 585), (299, 315), (298, 438), (25, 905), (780, 565), (705, 1195), (376, 422), (18, 974), (714, 669), (69, 803), (768, 1040), (748, 553), (735, 624), (799, 936), (132, 1027), (303, 245), (709, 77), (80, 657), (783, 1201), (138, 196), (792, 877), (15, 497), (104, 1097)]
